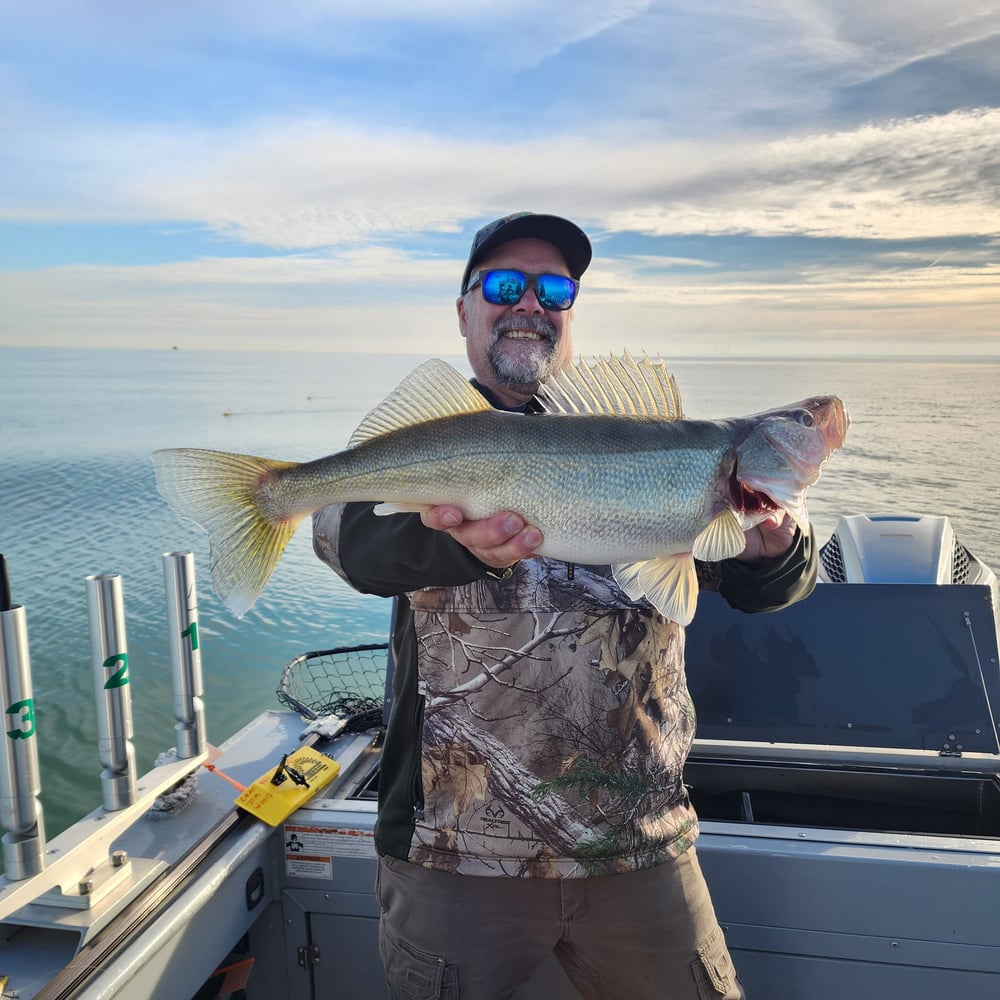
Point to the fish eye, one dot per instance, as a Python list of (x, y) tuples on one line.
[(804, 417)]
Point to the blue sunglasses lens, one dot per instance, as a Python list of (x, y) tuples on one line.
[(507, 288), (555, 291), (504, 288)]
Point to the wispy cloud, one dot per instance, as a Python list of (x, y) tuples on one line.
[(899, 180), (302, 301), (315, 183)]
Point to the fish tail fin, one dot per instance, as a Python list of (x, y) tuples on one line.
[(223, 493)]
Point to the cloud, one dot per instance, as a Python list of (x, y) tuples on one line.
[(405, 304), (845, 286), (317, 183), (659, 263), (519, 35), (437, 115), (916, 178), (346, 269), (778, 64)]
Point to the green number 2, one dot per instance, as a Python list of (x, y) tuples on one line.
[(26, 723), (120, 677)]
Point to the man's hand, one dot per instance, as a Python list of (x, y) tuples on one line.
[(772, 537), (498, 541)]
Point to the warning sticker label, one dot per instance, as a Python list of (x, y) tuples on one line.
[(354, 843), (304, 866), (310, 850)]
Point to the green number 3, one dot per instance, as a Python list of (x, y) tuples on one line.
[(26, 723)]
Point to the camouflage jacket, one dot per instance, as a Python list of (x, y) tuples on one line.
[(541, 721)]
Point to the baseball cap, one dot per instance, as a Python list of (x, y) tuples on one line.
[(567, 237)]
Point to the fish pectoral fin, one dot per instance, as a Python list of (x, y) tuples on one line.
[(670, 584), (385, 509), (722, 538)]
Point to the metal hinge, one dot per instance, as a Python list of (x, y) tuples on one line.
[(309, 955)]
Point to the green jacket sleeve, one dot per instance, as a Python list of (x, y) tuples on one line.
[(774, 583)]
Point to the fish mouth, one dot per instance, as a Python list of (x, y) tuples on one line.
[(755, 504), (749, 501)]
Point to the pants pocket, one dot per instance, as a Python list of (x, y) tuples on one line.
[(414, 974), (713, 968)]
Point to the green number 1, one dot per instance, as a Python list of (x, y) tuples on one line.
[(191, 632), (26, 724)]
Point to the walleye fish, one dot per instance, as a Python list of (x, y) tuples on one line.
[(610, 473)]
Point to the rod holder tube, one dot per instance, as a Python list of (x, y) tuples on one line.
[(110, 667), (185, 653), (20, 784)]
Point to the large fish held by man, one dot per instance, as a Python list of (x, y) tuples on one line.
[(610, 472)]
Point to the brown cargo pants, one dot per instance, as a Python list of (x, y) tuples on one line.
[(647, 935)]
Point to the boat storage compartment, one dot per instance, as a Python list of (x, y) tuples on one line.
[(867, 706), (845, 776)]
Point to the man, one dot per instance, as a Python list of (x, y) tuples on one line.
[(531, 797)]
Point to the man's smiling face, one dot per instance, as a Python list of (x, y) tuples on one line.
[(513, 348)]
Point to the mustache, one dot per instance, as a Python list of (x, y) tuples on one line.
[(536, 324)]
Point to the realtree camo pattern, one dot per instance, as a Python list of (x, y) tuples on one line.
[(556, 725)]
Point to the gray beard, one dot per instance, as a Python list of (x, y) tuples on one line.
[(523, 374)]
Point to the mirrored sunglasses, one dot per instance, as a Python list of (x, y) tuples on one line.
[(506, 287)]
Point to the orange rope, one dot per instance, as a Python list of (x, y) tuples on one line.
[(225, 777)]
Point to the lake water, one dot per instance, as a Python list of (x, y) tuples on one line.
[(78, 497)]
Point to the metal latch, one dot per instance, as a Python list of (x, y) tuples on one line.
[(309, 955)]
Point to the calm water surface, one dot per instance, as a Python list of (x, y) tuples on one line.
[(78, 497)]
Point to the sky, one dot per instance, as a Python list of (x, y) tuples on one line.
[(758, 177)]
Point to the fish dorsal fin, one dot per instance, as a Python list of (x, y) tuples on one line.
[(618, 386), (430, 392), (670, 584)]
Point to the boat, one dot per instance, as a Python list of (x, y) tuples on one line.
[(846, 772)]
